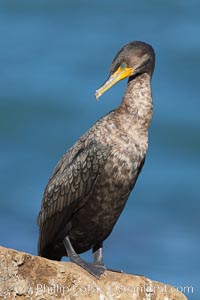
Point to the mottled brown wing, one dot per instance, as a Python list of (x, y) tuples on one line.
[(68, 189)]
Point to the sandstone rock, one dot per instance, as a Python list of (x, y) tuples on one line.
[(23, 276)]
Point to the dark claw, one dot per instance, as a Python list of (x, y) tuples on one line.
[(113, 270)]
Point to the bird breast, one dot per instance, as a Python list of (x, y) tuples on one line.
[(128, 150)]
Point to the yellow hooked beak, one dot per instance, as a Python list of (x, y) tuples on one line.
[(119, 74)]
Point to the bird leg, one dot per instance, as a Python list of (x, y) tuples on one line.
[(98, 257), (95, 270), (98, 254)]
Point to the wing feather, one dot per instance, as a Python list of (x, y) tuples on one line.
[(68, 189)]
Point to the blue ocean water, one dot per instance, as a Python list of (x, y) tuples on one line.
[(53, 56)]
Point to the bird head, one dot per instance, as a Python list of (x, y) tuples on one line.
[(133, 59)]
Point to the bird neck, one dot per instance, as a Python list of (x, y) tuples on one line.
[(137, 101)]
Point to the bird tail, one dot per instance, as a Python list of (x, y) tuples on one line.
[(51, 252)]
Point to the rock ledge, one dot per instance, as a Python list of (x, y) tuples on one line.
[(23, 276)]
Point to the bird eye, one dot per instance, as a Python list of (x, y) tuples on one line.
[(123, 65)]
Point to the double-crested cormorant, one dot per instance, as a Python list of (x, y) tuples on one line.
[(91, 183)]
